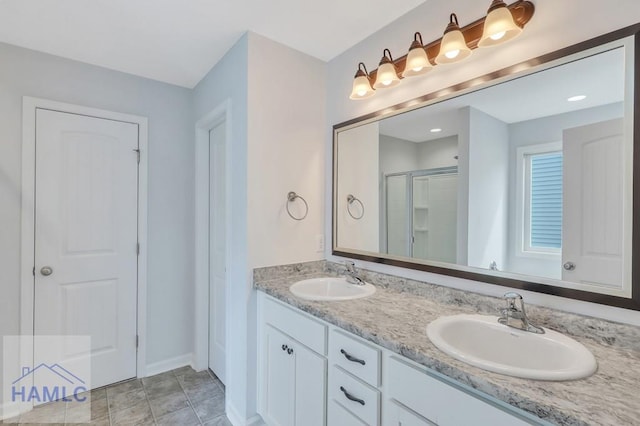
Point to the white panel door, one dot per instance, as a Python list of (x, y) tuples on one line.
[(217, 251), (592, 230), (86, 232)]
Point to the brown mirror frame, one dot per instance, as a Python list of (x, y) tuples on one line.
[(621, 302)]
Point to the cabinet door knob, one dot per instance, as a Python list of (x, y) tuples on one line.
[(289, 351), (284, 347), (569, 266), (351, 397), (351, 358)]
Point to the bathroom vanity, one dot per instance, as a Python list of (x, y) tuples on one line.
[(369, 361)]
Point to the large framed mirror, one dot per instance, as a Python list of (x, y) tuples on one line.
[(526, 178)]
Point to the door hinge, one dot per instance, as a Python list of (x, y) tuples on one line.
[(137, 151), (137, 341), (138, 249)]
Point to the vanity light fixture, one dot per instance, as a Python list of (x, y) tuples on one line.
[(499, 26), (502, 23), (576, 98), (387, 75), (362, 84), (453, 47), (417, 60)]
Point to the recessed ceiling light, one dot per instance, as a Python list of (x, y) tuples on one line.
[(436, 130), (576, 98)]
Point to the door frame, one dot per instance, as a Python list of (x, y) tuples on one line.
[(202, 169), (27, 228)]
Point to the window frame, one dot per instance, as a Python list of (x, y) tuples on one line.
[(523, 203)]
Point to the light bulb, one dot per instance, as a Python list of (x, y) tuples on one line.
[(452, 54), (499, 26), (453, 46)]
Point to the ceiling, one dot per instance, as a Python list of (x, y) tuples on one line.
[(599, 77), (179, 41)]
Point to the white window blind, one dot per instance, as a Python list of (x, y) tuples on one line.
[(545, 200)]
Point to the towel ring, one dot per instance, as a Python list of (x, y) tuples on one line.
[(350, 200), (291, 197)]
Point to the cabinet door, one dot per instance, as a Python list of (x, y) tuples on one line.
[(401, 416), (310, 387), (280, 376)]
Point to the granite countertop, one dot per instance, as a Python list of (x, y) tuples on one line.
[(396, 316)]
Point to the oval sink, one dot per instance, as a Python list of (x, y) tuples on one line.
[(483, 342), (330, 289)]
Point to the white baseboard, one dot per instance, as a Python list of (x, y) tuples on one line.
[(237, 420), (169, 364), (9, 410)]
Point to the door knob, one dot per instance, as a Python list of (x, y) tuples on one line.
[(46, 271), (569, 266)]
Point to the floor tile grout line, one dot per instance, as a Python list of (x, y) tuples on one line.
[(188, 400)]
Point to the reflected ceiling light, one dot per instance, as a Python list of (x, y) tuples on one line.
[(362, 84), (387, 75), (417, 62), (499, 25), (436, 130), (453, 47), (576, 98), (502, 23)]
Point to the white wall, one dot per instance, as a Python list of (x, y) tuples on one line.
[(554, 26), (438, 153), (228, 80), (170, 248), (535, 132), (286, 152), (488, 162), (359, 175), (397, 155)]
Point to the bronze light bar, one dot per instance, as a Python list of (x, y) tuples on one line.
[(521, 11)]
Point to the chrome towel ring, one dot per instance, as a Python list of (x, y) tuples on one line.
[(350, 200), (291, 197)]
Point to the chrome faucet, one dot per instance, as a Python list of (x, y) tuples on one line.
[(351, 275), (515, 317)]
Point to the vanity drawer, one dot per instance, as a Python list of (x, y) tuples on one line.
[(355, 356), (340, 416), (354, 395), (439, 402), (309, 332)]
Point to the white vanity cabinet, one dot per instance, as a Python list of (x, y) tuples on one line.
[(293, 367), (313, 373)]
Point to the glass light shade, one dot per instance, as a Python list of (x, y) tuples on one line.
[(387, 76), (499, 27), (453, 48), (361, 88), (417, 63)]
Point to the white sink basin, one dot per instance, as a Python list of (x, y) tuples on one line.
[(330, 289), (481, 341)]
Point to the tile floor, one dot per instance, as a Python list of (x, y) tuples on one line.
[(180, 397)]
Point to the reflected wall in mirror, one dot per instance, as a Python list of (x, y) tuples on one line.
[(527, 182)]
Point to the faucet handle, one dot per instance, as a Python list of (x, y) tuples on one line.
[(350, 265), (511, 298)]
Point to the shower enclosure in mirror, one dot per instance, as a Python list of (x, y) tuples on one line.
[(526, 181)]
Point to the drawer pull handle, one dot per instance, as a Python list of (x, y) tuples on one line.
[(351, 357), (351, 397)]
